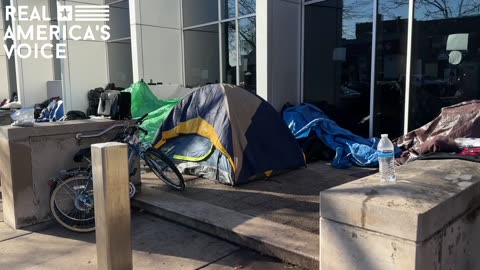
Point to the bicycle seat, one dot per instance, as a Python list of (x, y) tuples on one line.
[(82, 154)]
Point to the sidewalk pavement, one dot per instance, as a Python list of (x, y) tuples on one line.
[(157, 244), (291, 198), (278, 216)]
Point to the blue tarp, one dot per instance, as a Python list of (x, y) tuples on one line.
[(350, 149)]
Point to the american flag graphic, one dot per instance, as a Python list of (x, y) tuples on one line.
[(83, 13), (91, 13)]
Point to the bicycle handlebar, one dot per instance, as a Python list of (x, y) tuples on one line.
[(140, 121), (143, 130)]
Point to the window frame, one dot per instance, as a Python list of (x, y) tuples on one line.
[(219, 23)]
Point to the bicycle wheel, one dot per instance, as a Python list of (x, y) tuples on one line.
[(72, 205), (164, 168)]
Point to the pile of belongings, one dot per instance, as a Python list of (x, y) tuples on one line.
[(10, 104), (94, 97), (470, 146), (226, 133), (143, 101), (450, 132), (308, 122), (50, 110), (23, 117), (75, 115)]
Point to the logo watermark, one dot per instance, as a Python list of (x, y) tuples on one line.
[(43, 40)]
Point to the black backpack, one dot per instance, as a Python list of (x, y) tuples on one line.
[(93, 100), (121, 106), (75, 115)]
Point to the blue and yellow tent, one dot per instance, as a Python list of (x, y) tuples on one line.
[(226, 133)]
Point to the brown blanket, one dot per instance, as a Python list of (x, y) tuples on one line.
[(457, 121)]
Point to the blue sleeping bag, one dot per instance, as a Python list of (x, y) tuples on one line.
[(350, 149)]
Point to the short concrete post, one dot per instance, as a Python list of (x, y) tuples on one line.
[(112, 206)]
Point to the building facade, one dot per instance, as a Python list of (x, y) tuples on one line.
[(389, 66), (381, 66)]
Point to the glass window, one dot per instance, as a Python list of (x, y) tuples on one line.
[(197, 12), (337, 60), (445, 58), (235, 48), (246, 7), (228, 9), (390, 67), (202, 56), (229, 51), (248, 53)]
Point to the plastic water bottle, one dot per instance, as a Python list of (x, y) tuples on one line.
[(386, 159)]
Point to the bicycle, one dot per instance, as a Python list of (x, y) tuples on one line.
[(71, 197)]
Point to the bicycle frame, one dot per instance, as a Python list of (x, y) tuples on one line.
[(75, 212), (136, 148)]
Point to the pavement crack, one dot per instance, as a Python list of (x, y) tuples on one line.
[(212, 262), (16, 236)]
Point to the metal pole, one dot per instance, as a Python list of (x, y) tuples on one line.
[(408, 72), (373, 69), (112, 206), (302, 54)]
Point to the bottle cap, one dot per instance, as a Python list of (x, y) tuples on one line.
[(384, 135)]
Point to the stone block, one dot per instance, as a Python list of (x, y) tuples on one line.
[(429, 219), (29, 157)]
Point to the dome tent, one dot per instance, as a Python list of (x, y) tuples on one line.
[(226, 133)]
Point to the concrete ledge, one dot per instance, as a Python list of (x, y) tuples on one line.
[(429, 219), (428, 195), (56, 128), (31, 156), (286, 243), (347, 247)]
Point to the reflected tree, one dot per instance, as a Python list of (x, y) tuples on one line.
[(247, 30), (353, 12), (246, 44), (437, 9), (247, 26)]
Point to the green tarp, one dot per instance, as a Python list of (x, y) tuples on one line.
[(143, 102)]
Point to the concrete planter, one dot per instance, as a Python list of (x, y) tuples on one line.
[(430, 219), (29, 157)]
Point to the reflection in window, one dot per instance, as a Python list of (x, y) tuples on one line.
[(391, 55), (337, 60), (248, 53), (445, 58), (229, 50), (202, 56), (246, 7), (197, 12), (228, 8), (232, 57)]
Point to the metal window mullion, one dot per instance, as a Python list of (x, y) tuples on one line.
[(182, 44), (219, 21), (312, 2), (220, 51), (227, 20), (220, 47), (373, 67), (200, 25), (247, 16), (239, 18), (408, 73), (237, 9), (302, 55), (237, 36)]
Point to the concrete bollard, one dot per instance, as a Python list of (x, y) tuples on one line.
[(112, 206)]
